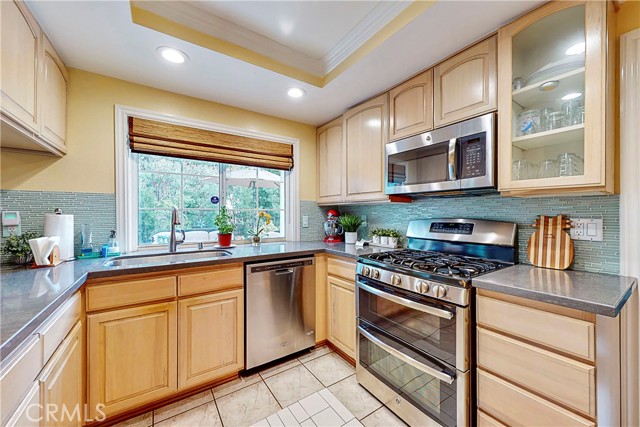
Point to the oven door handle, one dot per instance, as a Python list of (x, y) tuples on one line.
[(407, 303), (442, 376)]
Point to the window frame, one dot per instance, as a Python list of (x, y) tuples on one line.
[(127, 175)]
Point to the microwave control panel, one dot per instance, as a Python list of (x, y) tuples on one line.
[(474, 156)]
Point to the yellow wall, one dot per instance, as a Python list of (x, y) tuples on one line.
[(89, 165), (628, 16)]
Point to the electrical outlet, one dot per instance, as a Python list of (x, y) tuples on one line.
[(587, 229), (305, 221)]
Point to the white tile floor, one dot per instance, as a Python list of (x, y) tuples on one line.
[(317, 389)]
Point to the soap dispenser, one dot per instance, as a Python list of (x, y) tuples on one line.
[(113, 246)]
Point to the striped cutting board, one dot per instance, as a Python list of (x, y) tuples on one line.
[(550, 246)]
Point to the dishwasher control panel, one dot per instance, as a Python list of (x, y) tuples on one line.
[(281, 265)]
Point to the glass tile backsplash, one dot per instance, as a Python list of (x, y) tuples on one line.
[(99, 210)]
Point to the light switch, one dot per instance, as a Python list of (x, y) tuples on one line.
[(592, 230), (305, 221), (587, 229)]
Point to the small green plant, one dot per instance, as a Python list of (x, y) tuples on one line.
[(350, 223), (18, 246), (384, 232), (377, 232), (394, 233), (224, 222)]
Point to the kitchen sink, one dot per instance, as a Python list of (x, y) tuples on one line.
[(164, 258)]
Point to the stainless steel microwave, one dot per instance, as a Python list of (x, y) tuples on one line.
[(458, 157)]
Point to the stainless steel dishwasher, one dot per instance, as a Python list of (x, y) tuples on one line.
[(280, 309)]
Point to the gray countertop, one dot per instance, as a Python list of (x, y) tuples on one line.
[(28, 296), (603, 294)]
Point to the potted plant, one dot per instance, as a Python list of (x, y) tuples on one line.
[(224, 222), (18, 247), (256, 235), (375, 235), (394, 236), (350, 224), (384, 236)]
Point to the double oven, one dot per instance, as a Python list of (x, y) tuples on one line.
[(415, 320), (412, 353)]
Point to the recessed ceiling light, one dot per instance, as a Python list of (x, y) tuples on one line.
[(296, 92), (576, 49), (172, 55), (573, 95)]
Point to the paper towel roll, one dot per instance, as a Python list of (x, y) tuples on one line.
[(61, 225)]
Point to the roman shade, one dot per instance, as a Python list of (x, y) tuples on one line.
[(166, 139)]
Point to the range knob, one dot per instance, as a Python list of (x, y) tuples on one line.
[(375, 273), (423, 287), (366, 271), (439, 291), (396, 280)]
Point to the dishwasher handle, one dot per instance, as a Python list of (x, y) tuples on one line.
[(283, 271), (281, 266)]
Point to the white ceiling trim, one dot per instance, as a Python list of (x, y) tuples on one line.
[(380, 16), (208, 23)]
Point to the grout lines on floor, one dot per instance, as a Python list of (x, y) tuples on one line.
[(316, 389)]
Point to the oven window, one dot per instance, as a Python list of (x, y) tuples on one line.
[(419, 166), (434, 397), (427, 332)]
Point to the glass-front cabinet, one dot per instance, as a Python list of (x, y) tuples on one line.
[(556, 132)]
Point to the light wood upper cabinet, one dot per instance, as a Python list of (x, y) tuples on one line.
[(411, 107), (466, 84), (33, 85), (131, 356), (19, 61), (342, 315), (365, 135), (54, 96), (330, 162), (556, 87), (62, 383), (211, 338)]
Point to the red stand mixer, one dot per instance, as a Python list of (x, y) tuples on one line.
[(332, 230)]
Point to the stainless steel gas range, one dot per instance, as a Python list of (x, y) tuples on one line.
[(414, 333)]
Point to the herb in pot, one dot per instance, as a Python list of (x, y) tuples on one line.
[(18, 247)]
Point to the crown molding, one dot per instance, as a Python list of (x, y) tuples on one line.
[(191, 16)]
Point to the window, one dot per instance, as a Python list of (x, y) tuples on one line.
[(198, 189)]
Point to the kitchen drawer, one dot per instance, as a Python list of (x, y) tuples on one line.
[(28, 413), (59, 324), (566, 334), (228, 277), (110, 295), (559, 378), (18, 373), (341, 268), (518, 407), (485, 420)]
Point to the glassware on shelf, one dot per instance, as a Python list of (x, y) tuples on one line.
[(549, 169), (570, 164), (522, 169), (544, 118), (570, 109), (556, 120), (528, 122), (578, 117)]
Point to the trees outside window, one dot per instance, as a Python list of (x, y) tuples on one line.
[(192, 185)]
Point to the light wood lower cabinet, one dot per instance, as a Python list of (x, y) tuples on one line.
[(62, 383), (28, 413), (210, 342), (131, 356), (342, 315)]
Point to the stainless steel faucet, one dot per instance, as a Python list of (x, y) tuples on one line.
[(175, 220)]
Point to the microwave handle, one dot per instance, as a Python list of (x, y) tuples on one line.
[(452, 159)]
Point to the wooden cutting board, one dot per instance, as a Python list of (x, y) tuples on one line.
[(550, 246)]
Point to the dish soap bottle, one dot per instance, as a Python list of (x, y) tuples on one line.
[(113, 247)]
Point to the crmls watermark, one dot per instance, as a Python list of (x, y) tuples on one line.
[(60, 413)]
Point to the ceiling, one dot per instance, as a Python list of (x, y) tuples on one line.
[(348, 40)]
